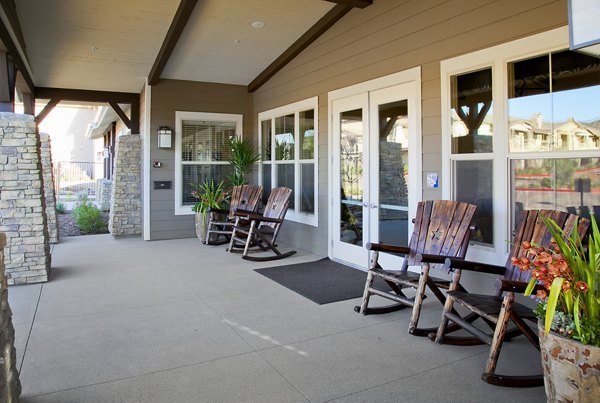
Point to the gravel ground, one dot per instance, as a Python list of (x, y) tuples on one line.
[(67, 227)]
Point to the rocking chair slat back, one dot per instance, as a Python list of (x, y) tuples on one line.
[(277, 204), (441, 227), (531, 228), (244, 197)]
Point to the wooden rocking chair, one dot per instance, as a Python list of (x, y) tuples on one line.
[(261, 230), (441, 228), (221, 221), (497, 310)]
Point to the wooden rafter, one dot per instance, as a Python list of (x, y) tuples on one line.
[(121, 114), (177, 25), (47, 109), (353, 3), (326, 22), (12, 47)]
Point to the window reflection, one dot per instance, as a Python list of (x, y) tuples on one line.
[(567, 184), (554, 103), (471, 113)]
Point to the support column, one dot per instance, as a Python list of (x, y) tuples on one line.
[(48, 175), (125, 205), (10, 386), (22, 202)]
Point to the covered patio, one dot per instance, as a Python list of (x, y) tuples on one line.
[(177, 321)]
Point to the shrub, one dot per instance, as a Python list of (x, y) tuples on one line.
[(60, 208), (88, 218)]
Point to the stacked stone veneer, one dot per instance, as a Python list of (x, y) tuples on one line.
[(10, 386), (49, 194), (22, 202), (392, 183), (125, 205), (103, 193)]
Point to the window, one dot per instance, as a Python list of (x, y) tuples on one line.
[(201, 152), (522, 132), (288, 144)]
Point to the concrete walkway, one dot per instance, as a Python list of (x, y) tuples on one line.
[(176, 321)]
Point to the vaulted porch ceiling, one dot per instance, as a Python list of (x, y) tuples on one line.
[(112, 45)]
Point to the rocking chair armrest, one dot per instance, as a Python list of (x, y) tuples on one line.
[(460, 264), (267, 219), (218, 210), (517, 286), (381, 247), (244, 212), (247, 214), (428, 258)]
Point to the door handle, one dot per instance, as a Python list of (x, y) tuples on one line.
[(373, 205), (365, 204)]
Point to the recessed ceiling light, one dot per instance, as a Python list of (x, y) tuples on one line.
[(258, 24), (93, 48), (236, 41)]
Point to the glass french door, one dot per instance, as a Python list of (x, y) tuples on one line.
[(371, 160)]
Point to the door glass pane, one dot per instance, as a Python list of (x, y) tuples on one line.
[(307, 179), (567, 184), (351, 176), (393, 173), (474, 185), (307, 134), (266, 182), (471, 113), (285, 177), (284, 137)]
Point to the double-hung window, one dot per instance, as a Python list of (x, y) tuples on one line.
[(288, 144), (521, 130), (201, 152)]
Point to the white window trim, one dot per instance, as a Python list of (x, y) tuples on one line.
[(294, 108), (180, 209), (498, 58)]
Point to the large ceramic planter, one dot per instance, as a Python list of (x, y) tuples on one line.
[(201, 223), (571, 369)]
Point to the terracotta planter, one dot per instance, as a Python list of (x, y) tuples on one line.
[(201, 223), (571, 369)]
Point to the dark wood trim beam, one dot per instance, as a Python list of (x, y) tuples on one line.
[(66, 94), (326, 22), (177, 25), (135, 116), (353, 3), (13, 50), (28, 103), (121, 114), (47, 109)]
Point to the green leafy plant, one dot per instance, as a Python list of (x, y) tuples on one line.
[(209, 195), (60, 208), (569, 274), (88, 217), (243, 155)]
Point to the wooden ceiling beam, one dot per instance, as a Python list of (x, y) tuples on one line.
[(121, 114), (47, 109), (177, 25), (353, 3), (326, 22), (66, 94), (16, 46)]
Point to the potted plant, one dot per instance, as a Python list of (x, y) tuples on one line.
[(209, 195), (566, 277), (243, 155)]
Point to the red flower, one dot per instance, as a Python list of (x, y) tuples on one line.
[(541, 294), (581, 286)]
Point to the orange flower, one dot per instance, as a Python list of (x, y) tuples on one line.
[(541, 294), (566, 286), (581, 286), (526, 245)]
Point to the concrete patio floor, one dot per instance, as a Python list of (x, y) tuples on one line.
[(176, 321)]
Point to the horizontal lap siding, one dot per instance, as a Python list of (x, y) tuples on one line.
[(169, 96), (388, 37)]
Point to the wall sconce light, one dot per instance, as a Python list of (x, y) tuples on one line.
[(164, 137)]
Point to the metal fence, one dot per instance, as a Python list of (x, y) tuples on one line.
[(72, 178)]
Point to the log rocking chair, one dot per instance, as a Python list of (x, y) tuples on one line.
[(498, 310), (260, 230), (221, 221), (441, 228)]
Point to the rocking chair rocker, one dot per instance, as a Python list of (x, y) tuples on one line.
[(441, 229), (244, 197), (261, 230), (497, 310)]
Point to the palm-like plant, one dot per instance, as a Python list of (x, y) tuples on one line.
[(243, 155)]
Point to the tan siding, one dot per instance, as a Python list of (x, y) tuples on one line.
[(392, 36), (169, 96)]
